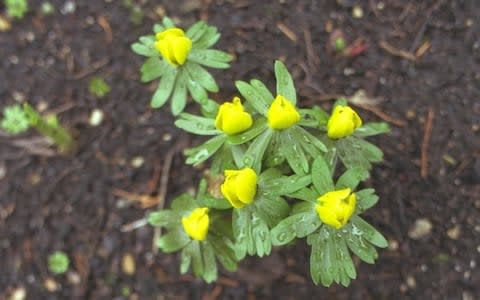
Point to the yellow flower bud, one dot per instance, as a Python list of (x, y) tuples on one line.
[(239, 187), (343, 121), (196, 224), (232, 118), (173, 45), (335, 208), (282, 113)]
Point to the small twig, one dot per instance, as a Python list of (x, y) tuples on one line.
[(287, 31), (134, 225), (214, 294), (384, 116), (162, 191), (426, 141), (423, 49), (103, 22), (396, 52), (312, 57), (92, 68)]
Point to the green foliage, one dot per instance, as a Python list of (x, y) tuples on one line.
[(14, 120), (58, 262), (49, 127), (189, 79), (296, 165), (16, 8), (98, 87)]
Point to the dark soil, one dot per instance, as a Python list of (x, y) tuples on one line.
[(69, 202)]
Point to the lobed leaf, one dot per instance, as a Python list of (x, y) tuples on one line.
[(285, 86)]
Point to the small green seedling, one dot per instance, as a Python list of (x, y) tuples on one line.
[(14, 120), (17, 120), (16, 8), (47, 8), (340, 44), (49, 127), (98, 87), (58, 262)]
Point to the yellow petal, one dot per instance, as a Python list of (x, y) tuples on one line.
[(181, 47), (197, 223), (336, 207), (231, 117), (164, 48), (239, 187), (282, 113), (343, 122), (246, 185)]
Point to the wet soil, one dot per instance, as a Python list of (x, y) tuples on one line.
[(420, 69)]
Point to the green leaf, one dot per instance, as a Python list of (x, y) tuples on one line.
[(158, 28), (144, 50), (168, 23), (293, 152), (210, 58), (369, 232), (340, 101), (366, 198), (305, 194), (183, 204), (321, 176), (208, 39), (212, 202), (14, 120), (285, 184), (313, 117), (179, 97), (199, 94), (241, 225), (153, 68), (355, 152), (262, 91), (210, 265), (163, 218), (296, 226), (203, 152), (361, 248), (259, 125), (351, 178), (285, 85), (198, 74), (261, 236), (308, 140), (197, 260), (254, 97), (173, 241), (196, 124), (271, 209), (164, 89), (185, 259), (254, 155), (372, 128), (196, 31), (316, 254), (224, 251)]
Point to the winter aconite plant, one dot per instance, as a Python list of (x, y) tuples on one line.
[(279, 173), (178, 59)]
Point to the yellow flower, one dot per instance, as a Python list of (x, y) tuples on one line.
[(282, 113), (232, 118), (173, 45), (239, 187), (343, 121), (335, 208), (196, 224)]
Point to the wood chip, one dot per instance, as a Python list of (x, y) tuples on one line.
[(287, 31), (396, 52)]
